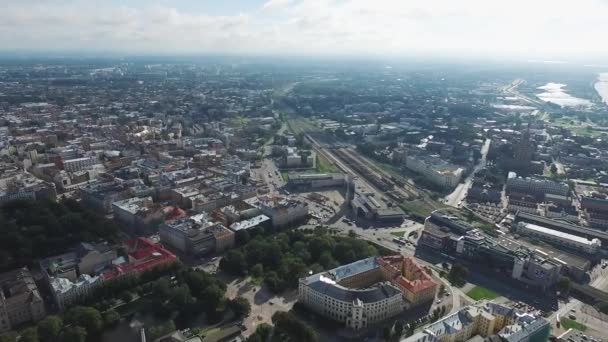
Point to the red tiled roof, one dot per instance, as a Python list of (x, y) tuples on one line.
[(143, 255), (398, 263)]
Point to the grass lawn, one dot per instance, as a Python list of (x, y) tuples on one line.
[(398, 233), (479, 292), (324, 166), (417, 207), (568, 323), (285, 175)]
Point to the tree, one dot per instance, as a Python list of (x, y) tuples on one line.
[(457, 274), (289, 327), (240, 307), (261, 334), (563, 286), (441, 290), (603, 307), (398, 328), (110, 317), (234, 262), (50, 328), (86, 317), (257, 271), (387, 333), (553, 169), (274, 282), (74, 334), (8, 337), (160, 330), (29, 335)]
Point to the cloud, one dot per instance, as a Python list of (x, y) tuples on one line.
[(539, 29), (274, 4)]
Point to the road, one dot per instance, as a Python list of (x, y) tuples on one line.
[(599, 280), (511, 90), (455, 198)]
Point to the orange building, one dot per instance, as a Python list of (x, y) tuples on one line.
[(417, 286)]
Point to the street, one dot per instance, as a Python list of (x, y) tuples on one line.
[(457, 196)]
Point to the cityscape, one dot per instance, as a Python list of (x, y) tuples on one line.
[(185, 196)]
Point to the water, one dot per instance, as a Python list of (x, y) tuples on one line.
[(555, 93), (601, 86)]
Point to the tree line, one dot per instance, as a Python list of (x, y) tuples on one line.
[(282, 259), (31, 229)]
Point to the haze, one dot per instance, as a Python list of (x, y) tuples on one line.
[(539, 29)]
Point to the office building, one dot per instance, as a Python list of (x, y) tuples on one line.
[(196, 235), (316, 180), (282, 211), (436, 170)]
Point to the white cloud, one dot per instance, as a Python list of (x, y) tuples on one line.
[(274, 4), (544, 29)]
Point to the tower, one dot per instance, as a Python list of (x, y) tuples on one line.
[(523, 153)]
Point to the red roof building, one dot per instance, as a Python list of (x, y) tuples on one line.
[(416, 285), (142, 255)]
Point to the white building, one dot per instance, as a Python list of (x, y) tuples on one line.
[(535, 186), (436, 170), (341, 295), (67, 292), (283, 211), (78, 164), (574, 242)]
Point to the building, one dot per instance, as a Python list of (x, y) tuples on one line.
[(447, 235), (254, 222), (346, 294), (417, 286), (316, 180), (67, 292), (537, 187), (20, 300), (72, 277), (78, 164), (100, 195), (569, 241), (283, 211), (526, 204), (142, 214), (436, 170), (596, 211), (142, 255), (196, 235), (523, 153), (485, 320), (562, 227), (23, 186), (367, 291), (367, 206)]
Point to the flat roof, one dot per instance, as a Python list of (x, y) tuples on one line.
[(562, 225), (553, 232)]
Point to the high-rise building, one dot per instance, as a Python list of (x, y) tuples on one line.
[(523, 153)]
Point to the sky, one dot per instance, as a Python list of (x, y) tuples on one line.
[(530, 29)]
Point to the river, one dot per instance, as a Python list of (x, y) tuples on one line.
[(601, 86), (555, 93)]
